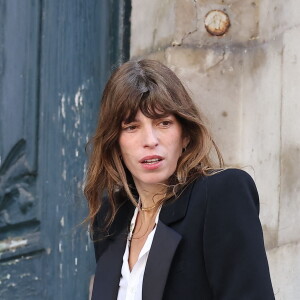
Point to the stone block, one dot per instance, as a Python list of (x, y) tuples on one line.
[(156, 25), (289, 229), (276, 17), (247, 84), (260, 94), (152, 26), (186, 21), (284, 263), (212, 78), (244, 20)]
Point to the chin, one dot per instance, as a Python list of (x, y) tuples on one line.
[(156, 179)]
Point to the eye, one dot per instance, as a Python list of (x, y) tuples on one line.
[(165, 123), (129, 128)]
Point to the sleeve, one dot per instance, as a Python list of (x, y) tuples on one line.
[(234, 252), (98, 238)]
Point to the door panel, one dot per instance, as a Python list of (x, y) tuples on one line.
[(55, 57), (21, 247)]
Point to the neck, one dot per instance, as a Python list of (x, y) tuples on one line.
[(150, 196)]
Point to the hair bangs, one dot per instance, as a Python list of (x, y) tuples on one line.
[(154, 104)]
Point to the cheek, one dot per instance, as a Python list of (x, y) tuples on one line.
[(177, 143), (125, 151), (123, 145), (175, 148)]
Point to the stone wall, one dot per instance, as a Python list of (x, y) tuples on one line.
[(247, 82)]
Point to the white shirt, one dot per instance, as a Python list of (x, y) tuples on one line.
[(131, 283)]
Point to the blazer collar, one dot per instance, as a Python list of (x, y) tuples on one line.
[(160, 257), (163, 248), (175, 209), (172, 211), (108, 271)]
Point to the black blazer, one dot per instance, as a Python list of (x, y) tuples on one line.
[(208, 245)]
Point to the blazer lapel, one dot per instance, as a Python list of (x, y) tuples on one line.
[(175, 209), (163, 248), (164, 245), (108, 271)]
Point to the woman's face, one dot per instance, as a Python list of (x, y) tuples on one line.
[(150, 148)]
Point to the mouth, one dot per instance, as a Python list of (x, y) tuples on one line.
[(151, 160)]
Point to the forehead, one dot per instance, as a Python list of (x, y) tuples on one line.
[(150, 114), (140, 116)]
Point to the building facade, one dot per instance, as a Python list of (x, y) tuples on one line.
[(240, 61)]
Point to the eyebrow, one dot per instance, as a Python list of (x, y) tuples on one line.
[(138, 120), (130, 121)]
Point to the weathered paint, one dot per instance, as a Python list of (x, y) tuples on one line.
[(62, 221), (53, 77), (11, 245), (60, 247), (63, 110)]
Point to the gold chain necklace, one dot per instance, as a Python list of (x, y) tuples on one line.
[(146, 208), (149, 208)]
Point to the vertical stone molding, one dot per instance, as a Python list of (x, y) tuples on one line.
[(246, 82)]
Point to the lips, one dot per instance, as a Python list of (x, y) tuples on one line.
[(151, 160)]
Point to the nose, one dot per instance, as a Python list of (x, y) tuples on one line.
[(150, 137)]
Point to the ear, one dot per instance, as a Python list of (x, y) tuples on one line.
[(185, 141)]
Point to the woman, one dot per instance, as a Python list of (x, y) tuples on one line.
[(172, 224)]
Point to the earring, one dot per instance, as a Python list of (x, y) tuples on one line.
[(183, 149)]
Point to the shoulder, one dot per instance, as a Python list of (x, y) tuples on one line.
[(103, 234), (105, 213), (233, 237), (228, 190), (229, 176), (222, 178), (232, 188), (226, 179), (99, 220)]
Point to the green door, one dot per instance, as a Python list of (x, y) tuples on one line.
[(55, 56)]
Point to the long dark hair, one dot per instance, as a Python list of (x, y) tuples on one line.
[(151, 87)]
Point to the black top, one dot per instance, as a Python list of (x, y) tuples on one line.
[(208, 245)]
